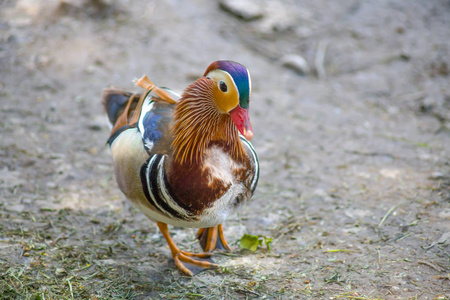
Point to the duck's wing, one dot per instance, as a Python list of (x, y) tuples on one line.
[(151, 112)]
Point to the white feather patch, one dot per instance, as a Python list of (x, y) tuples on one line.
[(146, 107), (215, 161)]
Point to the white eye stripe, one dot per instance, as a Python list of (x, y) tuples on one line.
[(221, 75)]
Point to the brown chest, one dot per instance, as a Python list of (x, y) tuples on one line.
[(197, 187)]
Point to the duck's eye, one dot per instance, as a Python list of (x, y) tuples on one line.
[(223, 86)]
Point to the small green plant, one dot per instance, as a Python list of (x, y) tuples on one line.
[(251, 242)]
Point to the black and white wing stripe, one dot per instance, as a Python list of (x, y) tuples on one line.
[(253, 159), (155, 186)]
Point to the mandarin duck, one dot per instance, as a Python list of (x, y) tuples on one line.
[(186, 160)]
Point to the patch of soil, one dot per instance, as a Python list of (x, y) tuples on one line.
[(351, 112)]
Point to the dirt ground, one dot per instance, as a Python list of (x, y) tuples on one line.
[(351, 116)]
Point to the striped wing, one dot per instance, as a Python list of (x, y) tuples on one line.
[(157, 190)]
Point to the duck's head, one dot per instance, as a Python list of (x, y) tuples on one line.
[(231, 92), (213, 108)]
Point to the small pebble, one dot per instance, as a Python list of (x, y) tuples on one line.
[(90, 69), (243, 9), (296, 63), (444, 214), (95, 127), (17, 208), (60, 272), (436, 176), (27, 201), (51, 185)]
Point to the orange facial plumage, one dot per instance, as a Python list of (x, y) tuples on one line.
[(198, 121)]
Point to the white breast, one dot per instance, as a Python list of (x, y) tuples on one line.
[(221, 167)]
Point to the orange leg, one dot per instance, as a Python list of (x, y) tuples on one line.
[(212, 238), (184, 260)]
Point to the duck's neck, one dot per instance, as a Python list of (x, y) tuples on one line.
[(198, 123)]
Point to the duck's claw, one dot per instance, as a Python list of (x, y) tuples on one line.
[(190, 266), (188, 263), (212, 238)]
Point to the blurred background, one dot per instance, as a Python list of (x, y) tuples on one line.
[(351, 116)]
